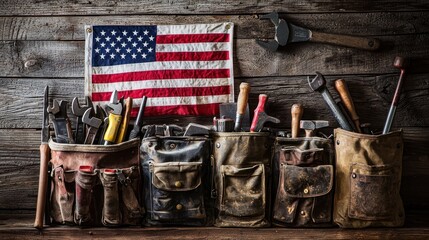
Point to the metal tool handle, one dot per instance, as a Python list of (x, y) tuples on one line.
[(243, 97), (345, 40), (346, 98), (296, 111), (341, 119), (125, 120), (43, 183)]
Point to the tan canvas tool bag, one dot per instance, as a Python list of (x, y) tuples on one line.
[(303, 180), (95, 184), (368, 178), (242, 173), (176, 180)]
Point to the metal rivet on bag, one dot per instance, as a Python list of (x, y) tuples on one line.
[(302, 213), (60, 178), (353, 175), (179, 206), (178, 184), (305, 190), (172, 146), (218, 145), (338, 142)]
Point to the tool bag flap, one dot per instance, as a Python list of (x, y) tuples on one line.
[(177, 176), (306, 182)]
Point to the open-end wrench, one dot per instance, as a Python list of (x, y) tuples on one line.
[(93, 124), (78, 111), (114, 107), (62, 125), (289, 33), (319, 84)]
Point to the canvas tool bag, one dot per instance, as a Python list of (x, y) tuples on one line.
[(95, 185), (368, 177), (303, 179), (242, 173), (176, 180)]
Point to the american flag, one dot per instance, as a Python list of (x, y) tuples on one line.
[(182, 69)]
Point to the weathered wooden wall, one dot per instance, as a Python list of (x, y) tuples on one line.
[(42, 43)]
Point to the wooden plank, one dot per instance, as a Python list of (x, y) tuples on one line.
[(372, 96), (412, 233), (246, 26), (66, 58), (33, 7), (19, 168)]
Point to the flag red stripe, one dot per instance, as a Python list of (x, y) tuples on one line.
[(165, 92), (161, 74), (202, 109), (192, 56), (192, 38)]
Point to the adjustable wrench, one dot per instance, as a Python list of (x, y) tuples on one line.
[(62, 125), (114, 107), (78, 111), (319, 84), (93, 123)]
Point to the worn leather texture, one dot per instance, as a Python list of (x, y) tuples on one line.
[(369, 169), (92, 199), (303, 180), (176, 180), (242, 179)]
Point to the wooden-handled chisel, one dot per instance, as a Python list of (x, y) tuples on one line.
[(243, 97), (44, 160), (346, 98)]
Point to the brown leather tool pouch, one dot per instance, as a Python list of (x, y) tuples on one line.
[(368, 177), (242, 173), (303, 175), (176, 180), (108, 194)]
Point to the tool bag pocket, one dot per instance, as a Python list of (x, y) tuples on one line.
[(107, 194), (241, 183), (368, 180), (176, 180), (303, 175), (243, 193)]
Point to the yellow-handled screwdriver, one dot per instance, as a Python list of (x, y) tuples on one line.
[(114, 108), (125, 120)]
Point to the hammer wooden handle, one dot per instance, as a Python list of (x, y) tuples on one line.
[(125, 120), (296, 111), (243, 97), (43, 183), (346, 98), (344, 40)]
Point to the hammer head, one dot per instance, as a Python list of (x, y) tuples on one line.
[(313, 124), (318, 83)]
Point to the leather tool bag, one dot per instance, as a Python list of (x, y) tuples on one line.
[(303, 175), (242, 179), (368, 180), (176, 180), (107, 194)]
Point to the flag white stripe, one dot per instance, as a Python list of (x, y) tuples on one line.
[(225, 27), (169, 65), (167, 83), (193, 47), (171, 101)]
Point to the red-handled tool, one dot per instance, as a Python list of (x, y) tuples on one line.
[(260, 117)]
